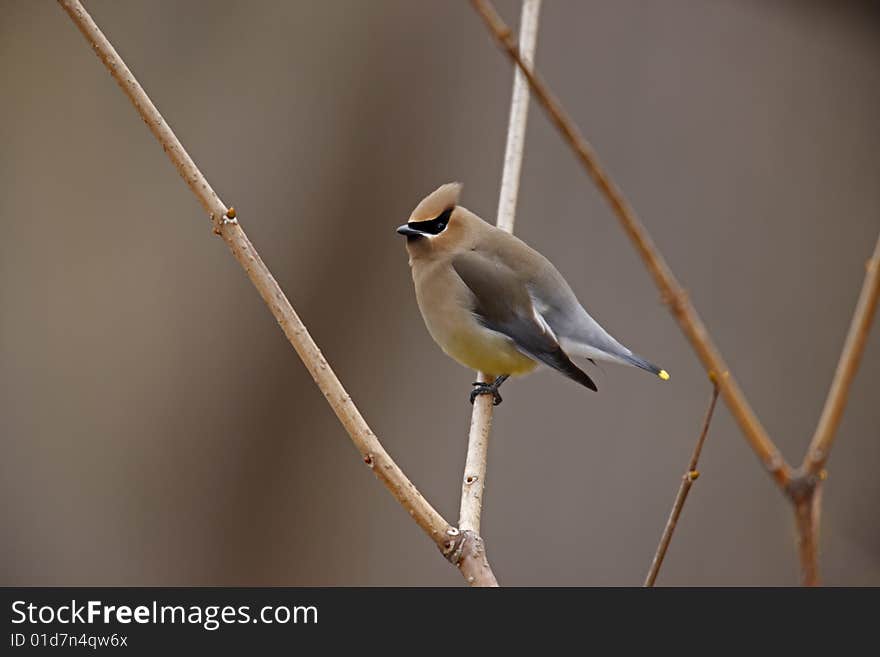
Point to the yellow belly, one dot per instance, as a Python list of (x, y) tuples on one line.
[(488, 352)]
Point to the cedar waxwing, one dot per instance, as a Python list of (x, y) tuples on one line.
[(496, 305)]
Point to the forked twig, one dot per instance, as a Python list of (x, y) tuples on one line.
[(687, 480), (474, 480), (451, 542), (806, 486)]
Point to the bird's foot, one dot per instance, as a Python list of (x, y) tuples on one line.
[(481, 388)]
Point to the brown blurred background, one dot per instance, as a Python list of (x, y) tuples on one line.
[(157, 429)]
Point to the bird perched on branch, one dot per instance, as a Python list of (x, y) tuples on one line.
[(496, 305)]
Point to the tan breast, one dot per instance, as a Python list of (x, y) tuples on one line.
[(445, 303)]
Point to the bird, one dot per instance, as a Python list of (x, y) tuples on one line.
[(496, 305)]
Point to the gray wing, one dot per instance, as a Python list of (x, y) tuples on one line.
[(502, 303), (557, 304)]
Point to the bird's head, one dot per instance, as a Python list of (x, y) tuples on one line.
[(436, 223)]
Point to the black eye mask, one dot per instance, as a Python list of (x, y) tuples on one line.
[(432, 226)]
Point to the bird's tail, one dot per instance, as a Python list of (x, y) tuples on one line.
[(638, 361)]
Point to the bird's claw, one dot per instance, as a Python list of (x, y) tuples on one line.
[(481, 388)]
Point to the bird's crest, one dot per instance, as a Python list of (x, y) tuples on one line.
[(442, 198)]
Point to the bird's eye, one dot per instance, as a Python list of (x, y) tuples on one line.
[(441, 221)]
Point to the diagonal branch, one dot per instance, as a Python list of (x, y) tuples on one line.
[(470, 561), (820, 446), (670, 290), (481, 418), (687, 480)]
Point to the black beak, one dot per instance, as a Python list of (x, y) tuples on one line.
[(409, 232)]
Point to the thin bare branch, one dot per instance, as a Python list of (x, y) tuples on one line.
[(226, 225), (670, 290), (687, 480), (474, 480), (519, 113), (807, 511), (847, 366)]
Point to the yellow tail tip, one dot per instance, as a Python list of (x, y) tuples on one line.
[(663, 374)]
